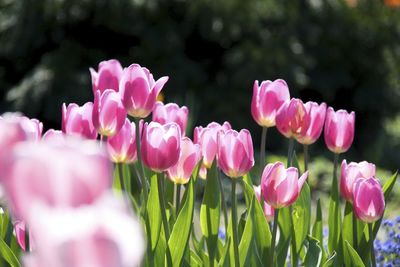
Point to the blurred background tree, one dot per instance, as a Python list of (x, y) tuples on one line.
[(345, 53)]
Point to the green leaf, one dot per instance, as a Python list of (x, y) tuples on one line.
[(314, 252), (301, 217), (8, 255), (285, 227), (153, 212), (195, 260), (355, 258), (210, 212), (317, 228), (247, 237), (178, 242), (224, 261), (331, 260)]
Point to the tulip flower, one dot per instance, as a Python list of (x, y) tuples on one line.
[(11, 133), (368, 199), (103, 234), (139, 90), (269, 211), (189, 157), (339, 130), (32, 127), (19, 229), (160, 145), (52, 134), (77, 120), (316, 114), (171, 113), (108, 76), (292, 119), (60, 174), (108, 112), (122, 146), (235, 152), (267, 99), (350, 172), (207, 139), (280, 187)]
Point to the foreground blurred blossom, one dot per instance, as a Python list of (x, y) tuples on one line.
[(122, 146), (280, 187), (19, 228), (292, 119), (207, 139), (32, 127), (11, 133), (108, 112), (171, 112), (368, 199), (189, 157), (55, 135), (350, 172), (60, 174), (267, 99), (77, 120), (339, 130), (316, 114), (108, 76), (160, 145), (269, 211), (139, 90), (104, 234), (235, 155)]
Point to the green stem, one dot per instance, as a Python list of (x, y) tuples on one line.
[(290, 152), (27, 241), (161, 196), (177, 198), (234, 224), (274, 230), (121, 177), (142, 177), (355, 228), (371, 244), (305, 148), (224, 209), (262, 147)]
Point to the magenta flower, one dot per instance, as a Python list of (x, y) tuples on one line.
[(267, 99), (280, 187), (350, 172), (108, 76), (189, 157), (317, 118), (292, 119), (235, 155), (161, 145), (269, 211), (77, 120), (139, 90), (122, 146), (339, 130), (108, 112), (171, 113), (368, 199)]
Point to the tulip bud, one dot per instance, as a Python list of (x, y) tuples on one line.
[(139, 90), (292, 119), (235, 152), (122, 146), (108, 112), (317, 118), (350, 172), (339, 130), (269, 211), (171, 113), (280, 187), (267, 99), (160, 145), (77, 120), (368, 200), (108, 76)]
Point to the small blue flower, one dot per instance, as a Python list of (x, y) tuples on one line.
[(221, 233)]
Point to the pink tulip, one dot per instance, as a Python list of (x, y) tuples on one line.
[(108, 112), (107, 77), (32, 127), (235, 155), (280, 187), (171, 113), (267, 99), (139, 90), (189, 157), (59, 174), (11, 133), (269, 211), (52, 134), (368, 200), (104, 234), (122, 146), (339, 130), (317, 118), (350, 172), (19, 228), (161, 145), (207, 139), (292, 119), (77, 120), (203, 171)]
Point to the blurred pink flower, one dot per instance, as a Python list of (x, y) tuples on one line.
[(32, 127), (171, 112), (77, 120), (52, 134)]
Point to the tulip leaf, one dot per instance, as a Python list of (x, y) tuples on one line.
[(210, 212), (331, 260), (246, 241), (224, 261), (153, 212), (314, 252), (195, 260), (285, 227), (301, 217), (317, 230), (178, 242), (8, 255), (354, 257)]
